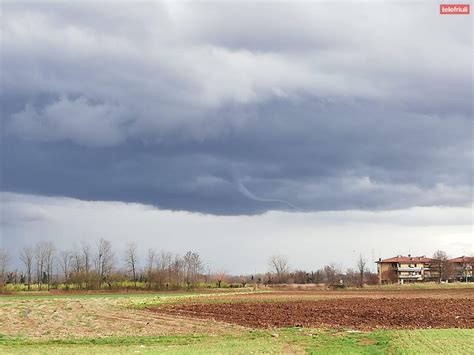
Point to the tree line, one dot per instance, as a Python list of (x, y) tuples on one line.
[(331, 274), (96, 266)]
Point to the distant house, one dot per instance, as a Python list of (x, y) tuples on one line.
[(401, 269), (462, 268)]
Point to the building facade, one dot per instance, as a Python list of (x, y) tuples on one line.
[(462, 268), (402, 269)]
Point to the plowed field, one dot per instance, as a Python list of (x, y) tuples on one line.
[(357, 313)]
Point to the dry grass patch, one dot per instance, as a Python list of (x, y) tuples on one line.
[(94, 317)]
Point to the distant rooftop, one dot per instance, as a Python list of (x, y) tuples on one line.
[(405, 259), (462, 259)]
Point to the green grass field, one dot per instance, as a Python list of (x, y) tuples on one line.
[(119, 323), (289, 340)]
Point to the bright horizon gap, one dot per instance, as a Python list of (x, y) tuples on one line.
[(239, 244)]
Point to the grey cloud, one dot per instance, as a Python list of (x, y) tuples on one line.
[(331, 161), (77, 120), (171, 104)]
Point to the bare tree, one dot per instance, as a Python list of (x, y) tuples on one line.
[(443, 267), (192, 267), (44, 256), (279, 265), (177, 269), (318, 276), (76, 267), (76, 263), (4, 260), (104, 260), (40, 260), (65, 258), (131, 261), (163, 261), (166, 259), (26, 257), (150, 266), (86, 260), (362, 268), (48, 250), (330, 272)]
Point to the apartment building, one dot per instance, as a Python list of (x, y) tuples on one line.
[(402, 269), (462, 268)]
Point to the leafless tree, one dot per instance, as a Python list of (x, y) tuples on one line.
[(177, 269), (330, 272), (163, 262), (76, 264), (318, 276), (4, 260), (104, 260), (86, 260), (193, 265), (163, 269), (40, 263), (443, 267), (279, 265), (131, 261), (26, 257), (150, 265), (362, 268), (166, 265), (49, 250), (65, 258), (76, 268)]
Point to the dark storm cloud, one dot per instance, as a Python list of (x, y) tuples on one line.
[(187, 109)]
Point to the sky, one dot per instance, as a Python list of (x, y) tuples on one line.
[(318, 130)]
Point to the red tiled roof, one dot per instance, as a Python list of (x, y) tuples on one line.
[(462, 259), (406, 259)]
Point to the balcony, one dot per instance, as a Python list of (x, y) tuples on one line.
[(418, 269), (410, 277)]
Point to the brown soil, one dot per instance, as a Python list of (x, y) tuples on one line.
[(354, 293), (358, 313)]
